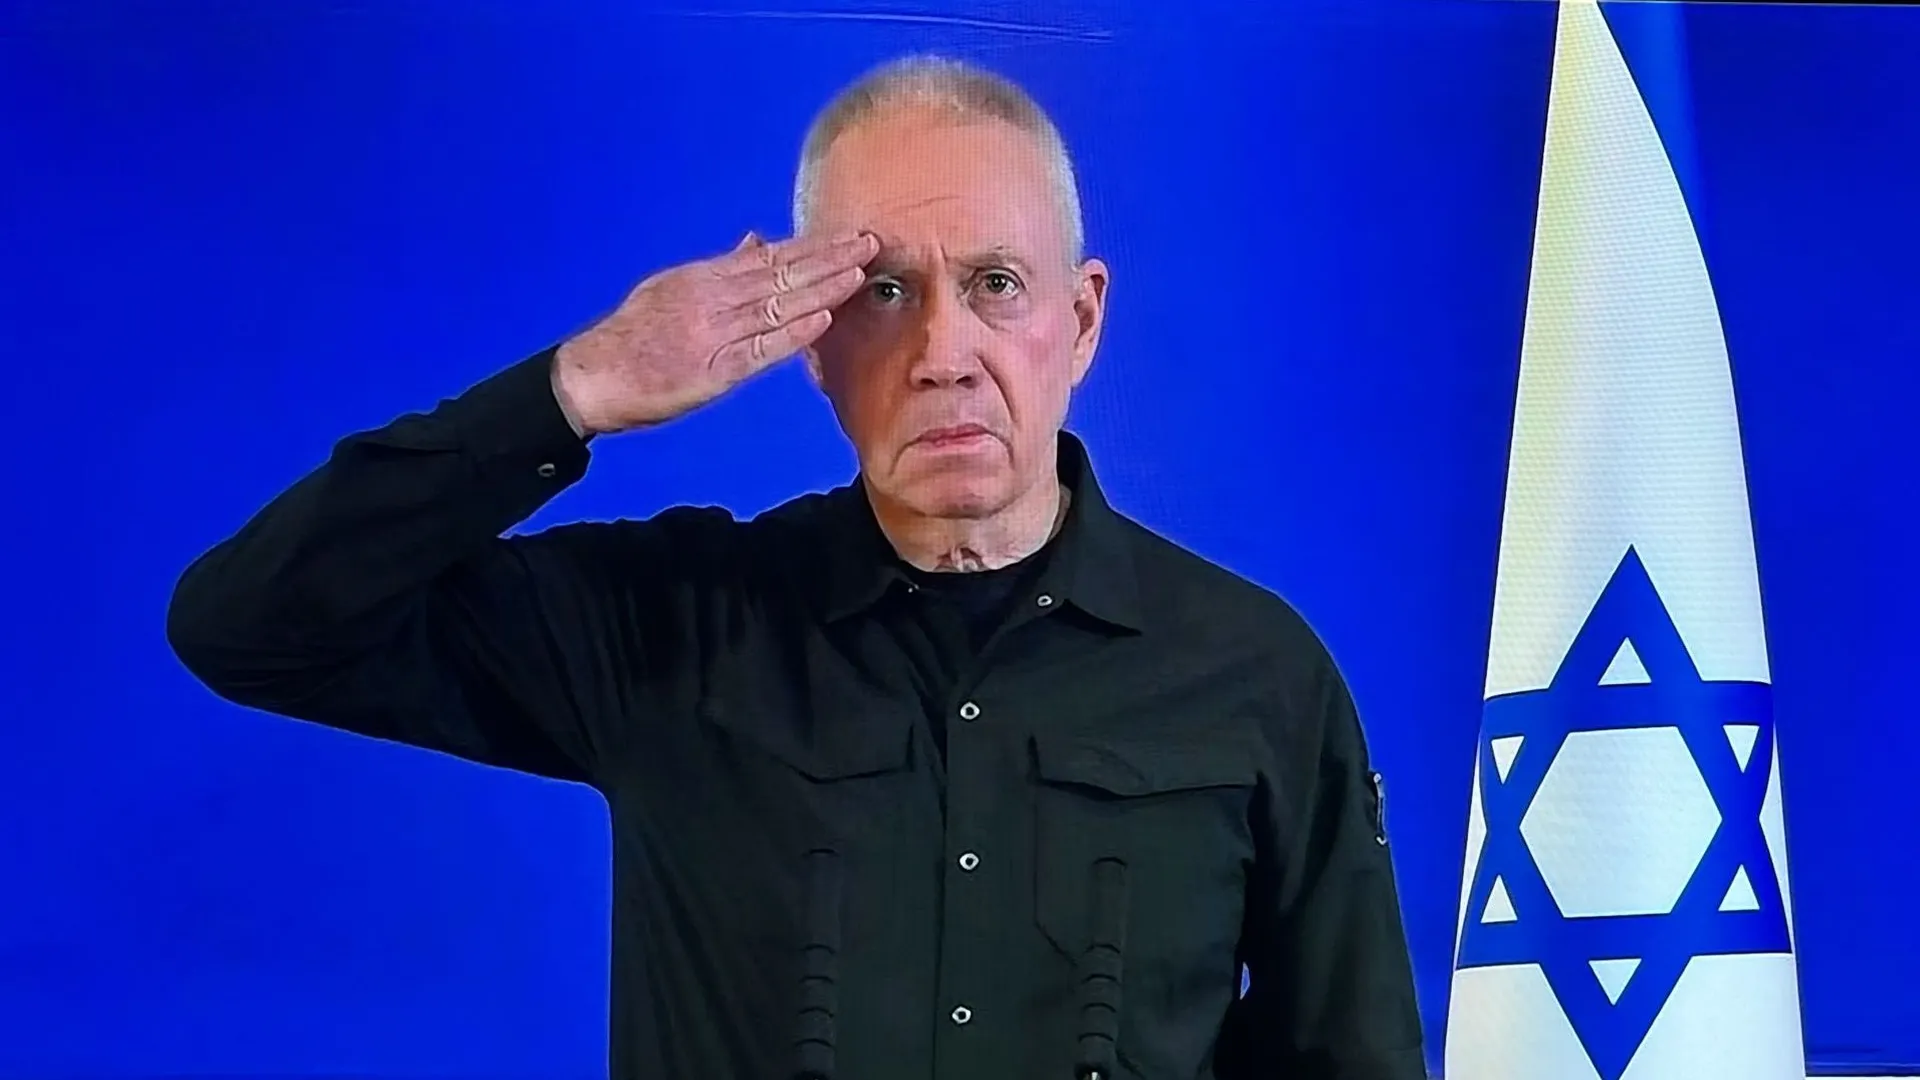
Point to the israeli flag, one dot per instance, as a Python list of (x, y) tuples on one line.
[(1624, 910)]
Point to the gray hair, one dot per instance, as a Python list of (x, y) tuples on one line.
[(970, 92)]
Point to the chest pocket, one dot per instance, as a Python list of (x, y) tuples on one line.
[(793, 783), (1174, 807)]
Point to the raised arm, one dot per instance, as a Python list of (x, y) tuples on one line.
[(378, 594)]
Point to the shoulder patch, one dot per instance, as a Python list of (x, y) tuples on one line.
[(1379, 786)]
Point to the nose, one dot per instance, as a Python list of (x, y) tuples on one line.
[(948, 353)]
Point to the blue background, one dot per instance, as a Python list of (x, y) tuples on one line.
[(231, 233)]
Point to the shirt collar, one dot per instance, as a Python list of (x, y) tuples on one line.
[(1091, 567)]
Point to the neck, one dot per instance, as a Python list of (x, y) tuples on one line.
[(963, 544)]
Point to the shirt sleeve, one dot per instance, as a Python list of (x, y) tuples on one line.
[(1329, 992), (379, 596)]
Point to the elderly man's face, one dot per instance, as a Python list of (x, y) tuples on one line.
[(951, 368)]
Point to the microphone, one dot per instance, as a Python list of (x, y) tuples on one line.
[(813, 1039), (1099, 972)]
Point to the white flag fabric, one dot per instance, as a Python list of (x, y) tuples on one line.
[(1624, 910)]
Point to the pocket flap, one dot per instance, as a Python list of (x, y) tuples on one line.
[(1131, 765), (830, 750)]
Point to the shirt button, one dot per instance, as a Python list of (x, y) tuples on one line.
[(969, 861), (962, 1014), (969, 711), (1044, 600), (546, 469)]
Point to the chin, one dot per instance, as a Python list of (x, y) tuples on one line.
[(957, 496)]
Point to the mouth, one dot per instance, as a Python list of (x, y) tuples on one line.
[(958, 435)]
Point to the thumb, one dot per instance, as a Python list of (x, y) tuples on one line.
[(748, 241)]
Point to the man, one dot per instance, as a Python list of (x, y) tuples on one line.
[(952, 772)]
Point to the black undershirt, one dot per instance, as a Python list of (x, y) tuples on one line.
[(952, 615)]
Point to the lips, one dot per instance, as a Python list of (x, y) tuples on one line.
[(956, 433)]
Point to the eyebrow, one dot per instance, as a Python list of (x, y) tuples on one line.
[(997, 255), (889, 260)]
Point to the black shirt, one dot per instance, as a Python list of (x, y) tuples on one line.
[(1152, 771)]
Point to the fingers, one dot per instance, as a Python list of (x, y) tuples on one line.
[(775, 299), (757, 352), (755, 256), (791, 276), (776, 309)]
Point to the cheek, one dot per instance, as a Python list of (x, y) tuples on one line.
[(859, 402), (843, 351), (860, 342), (835, 346), (1043, 362)]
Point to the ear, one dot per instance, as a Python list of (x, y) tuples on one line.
[(1090, 312)]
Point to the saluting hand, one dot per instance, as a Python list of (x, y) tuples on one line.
[(688, 334)]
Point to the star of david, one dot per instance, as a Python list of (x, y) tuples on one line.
[(1528, 926)]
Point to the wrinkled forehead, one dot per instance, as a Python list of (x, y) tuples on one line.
[(940, 190)]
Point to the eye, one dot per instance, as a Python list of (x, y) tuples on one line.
[(1000, 283), (887, 291)]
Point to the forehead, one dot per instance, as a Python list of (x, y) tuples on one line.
[(921, 180)]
